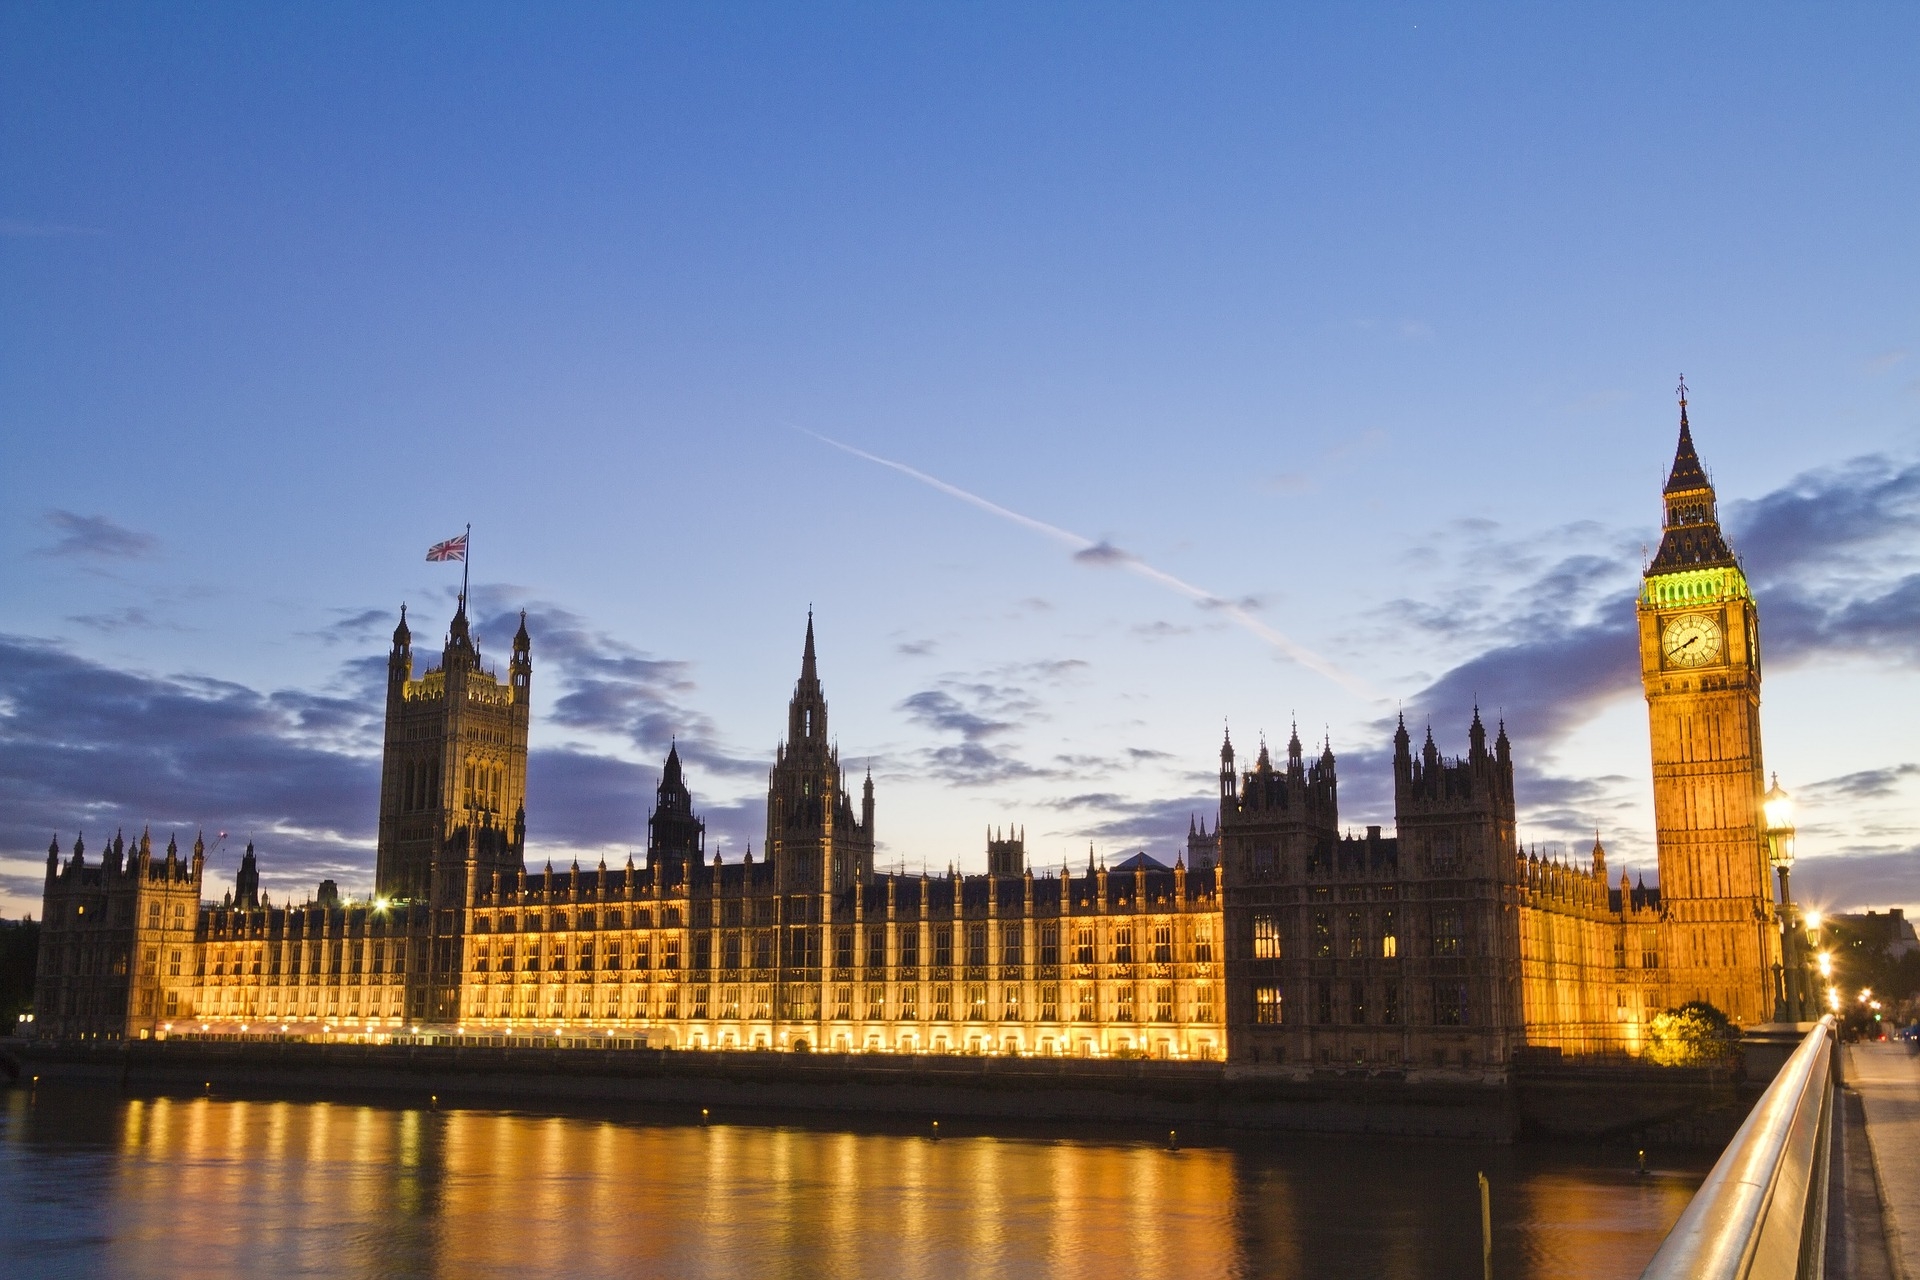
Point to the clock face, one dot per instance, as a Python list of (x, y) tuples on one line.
[(1692, 641)]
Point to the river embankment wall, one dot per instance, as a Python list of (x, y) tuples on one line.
[(1624, 1104)]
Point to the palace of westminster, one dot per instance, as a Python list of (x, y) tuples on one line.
[(1275, 941)]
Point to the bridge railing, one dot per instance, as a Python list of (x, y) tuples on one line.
[(1761, 1213)]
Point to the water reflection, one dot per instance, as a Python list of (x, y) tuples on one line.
[(93, 1183)]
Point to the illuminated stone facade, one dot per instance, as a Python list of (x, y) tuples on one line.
[(1700, 666), (1444, 945), (453, 776), (1276, 941)]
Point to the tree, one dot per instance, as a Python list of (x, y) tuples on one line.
[(1694, 1035)]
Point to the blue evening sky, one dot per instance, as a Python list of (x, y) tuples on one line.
[(1336, 346)]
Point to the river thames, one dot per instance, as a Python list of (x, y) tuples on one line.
[(96, 1184)]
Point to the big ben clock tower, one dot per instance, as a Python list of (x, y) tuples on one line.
[(1700, 665)]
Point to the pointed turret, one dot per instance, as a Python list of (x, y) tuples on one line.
[(520, 670), (402, 634), (1476, 737), (809, 672), (247, 882), (674, 833), (460, 651)]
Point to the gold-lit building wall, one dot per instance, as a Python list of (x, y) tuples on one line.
[(1099, 965), (1584, 980)]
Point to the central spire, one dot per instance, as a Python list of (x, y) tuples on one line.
[(808, 673), (1692, 538), (1687, 473), (807, 712)]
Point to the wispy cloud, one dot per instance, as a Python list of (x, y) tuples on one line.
[(129, 618), (1103, 553), (96, 537)]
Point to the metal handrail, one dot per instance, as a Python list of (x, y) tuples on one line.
[(1761, 1213)]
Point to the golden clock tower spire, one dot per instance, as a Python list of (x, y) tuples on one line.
[(1700, 666)]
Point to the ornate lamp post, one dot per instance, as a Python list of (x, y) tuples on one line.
[(1777, 809)]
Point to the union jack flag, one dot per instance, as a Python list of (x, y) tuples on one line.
[(451, 549)]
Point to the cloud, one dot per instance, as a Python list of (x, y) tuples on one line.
[(97, 537), (84, 746), (1153, 823), (941, 711), (916, 648), (1868, 784), (980, 712), (1829, 555), (1887, 360), (1160, 630), (130, 618), (1858, 881), (607, 687), (357, 626), (1087, 551), (1832, 561), (1102, 553)]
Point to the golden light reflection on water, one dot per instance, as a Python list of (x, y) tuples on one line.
[(209, 1187)]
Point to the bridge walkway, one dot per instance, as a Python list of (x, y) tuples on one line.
[(1886, 1077)]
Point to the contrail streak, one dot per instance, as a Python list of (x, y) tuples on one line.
[(1109, 554)]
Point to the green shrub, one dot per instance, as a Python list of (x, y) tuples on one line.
[(1694, 1035)]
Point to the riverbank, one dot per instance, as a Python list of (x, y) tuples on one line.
[(1617, 1105)]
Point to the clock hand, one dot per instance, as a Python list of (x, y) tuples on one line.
[(1679, 648)]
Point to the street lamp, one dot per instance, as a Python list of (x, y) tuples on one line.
[(1776, 808)]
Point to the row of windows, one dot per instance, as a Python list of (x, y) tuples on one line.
[(317, 956), (1357, 941), (1450, 1007), (1158, 943), (942, 1003)]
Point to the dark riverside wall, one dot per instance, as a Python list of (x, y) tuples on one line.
[(1181, 1095)]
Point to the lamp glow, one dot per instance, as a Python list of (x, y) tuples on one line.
[(1777, 809)]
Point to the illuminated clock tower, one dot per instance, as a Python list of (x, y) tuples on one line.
[(1700, 665)]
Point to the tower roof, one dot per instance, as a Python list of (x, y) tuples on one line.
[(1692, 537), (1687, 472), (808, 671)]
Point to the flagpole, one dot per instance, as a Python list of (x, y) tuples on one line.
[(466, 558)]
